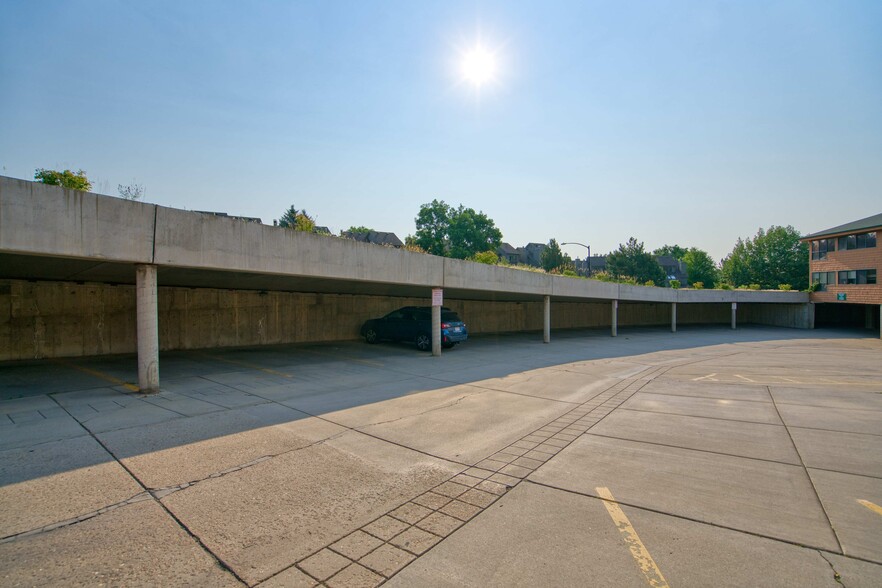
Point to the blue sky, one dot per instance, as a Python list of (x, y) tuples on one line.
[(673, 122)]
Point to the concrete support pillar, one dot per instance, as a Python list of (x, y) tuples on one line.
[(614, 329), (436, 330), (546, 321), (810, 315), (148, 328), (673, 317), (734, 312)]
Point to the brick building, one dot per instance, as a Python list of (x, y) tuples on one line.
[(843, 262)]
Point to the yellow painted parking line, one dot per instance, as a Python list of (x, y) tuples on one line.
[(639, 552), (97, 374), (874, 507), (746, 379), (245, 364)]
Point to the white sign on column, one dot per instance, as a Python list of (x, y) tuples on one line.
[(437, 297)]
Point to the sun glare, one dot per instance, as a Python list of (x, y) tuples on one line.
[(478, 66)]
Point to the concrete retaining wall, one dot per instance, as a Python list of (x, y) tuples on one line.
[(63, 319)]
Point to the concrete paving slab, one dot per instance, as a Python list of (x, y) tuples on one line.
[(831, 397), (51, 482), (38, 431), (184, 450), (462, 423), (859, 528), (538, 536), (769, 442), (766, 498), (719, 408), (832, 419), (323, 401), (551, 383), (257, 518), (113, 549), (852, 453), (855, 573), (670, 383)]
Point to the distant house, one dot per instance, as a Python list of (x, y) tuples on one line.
[(375, 237), (321, 230), (586, 267), (674, 268), (508, 253), (532, 254)]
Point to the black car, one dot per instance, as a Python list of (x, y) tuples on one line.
[(414, 323)]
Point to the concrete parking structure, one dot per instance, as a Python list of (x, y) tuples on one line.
[(713, 457)]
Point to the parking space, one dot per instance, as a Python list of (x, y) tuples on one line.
[(710, 456)]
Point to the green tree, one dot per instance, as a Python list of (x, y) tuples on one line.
[(360, 229), (674, 251), (487, 257), (552, 258), (454, 232), (700, 267), (772, 257), (471, 232), (299, 220), (432, 226), (65, 179), (632, 260)]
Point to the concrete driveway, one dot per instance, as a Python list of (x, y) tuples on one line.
[(705, 457)]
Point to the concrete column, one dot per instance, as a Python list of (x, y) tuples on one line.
[(673, 317), (734, 312), (810, 315), (614, 329), (546, 329), (436, 330), (148, 328)]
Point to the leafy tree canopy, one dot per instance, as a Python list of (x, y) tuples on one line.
[(632, 260), (700, 267), (772, 257), (552, 258), (298, 220), (360, 229), (674, 251), (454, 232), (65, 179)]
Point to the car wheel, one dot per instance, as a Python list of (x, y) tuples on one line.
[(448, 345), (370, 336), (423, 342)]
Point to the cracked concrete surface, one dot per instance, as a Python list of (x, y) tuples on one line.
[(738, 457)]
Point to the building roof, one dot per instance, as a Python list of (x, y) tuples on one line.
[(506, 249), (871, 222), (375, 237)]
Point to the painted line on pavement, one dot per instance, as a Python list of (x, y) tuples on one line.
[(711, 376), (745, 378), (639, 552), (874, 507), (97, 374)]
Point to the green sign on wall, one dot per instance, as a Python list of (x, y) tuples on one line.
[(840, 296)]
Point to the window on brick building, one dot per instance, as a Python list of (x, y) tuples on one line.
[(867, 276), (823, 279), (859, 241), (821, 247)]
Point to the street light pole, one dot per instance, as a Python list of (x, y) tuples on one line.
[(588, 247)]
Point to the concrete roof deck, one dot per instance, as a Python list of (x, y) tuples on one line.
[(49, 233)]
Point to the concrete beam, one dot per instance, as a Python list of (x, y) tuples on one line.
[(148, 328)]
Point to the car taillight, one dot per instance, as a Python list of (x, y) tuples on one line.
[(445, 325)]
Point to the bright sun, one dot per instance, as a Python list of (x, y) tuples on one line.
[(478, 66)]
